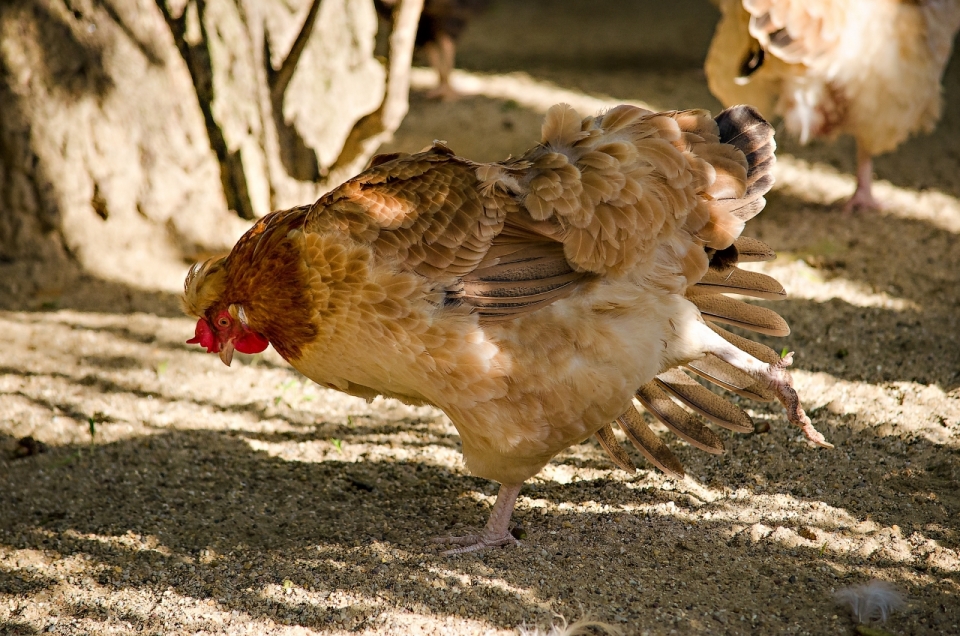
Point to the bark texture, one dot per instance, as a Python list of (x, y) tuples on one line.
[(137, 135)]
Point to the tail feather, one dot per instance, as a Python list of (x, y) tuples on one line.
[(685, 425), (745, 129)]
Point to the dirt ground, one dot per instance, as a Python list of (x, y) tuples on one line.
[(171, 494)]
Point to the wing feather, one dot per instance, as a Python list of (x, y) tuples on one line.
[(705, 402), (616, 452)]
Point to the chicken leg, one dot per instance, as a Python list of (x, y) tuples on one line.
[(497, 530), (773, 376), (442, 55), (863, 198)]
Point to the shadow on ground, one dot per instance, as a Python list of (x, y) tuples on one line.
[(203, 514)]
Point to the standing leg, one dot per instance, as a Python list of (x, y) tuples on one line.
[(497, 530), (863, 196), (442, 55)]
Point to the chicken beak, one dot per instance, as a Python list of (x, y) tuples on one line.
[(226, 353)]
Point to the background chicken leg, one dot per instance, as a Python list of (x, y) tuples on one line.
[(442, 54), (863, 198)]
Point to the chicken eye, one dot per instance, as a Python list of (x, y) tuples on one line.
[(223, 322), (751, 63)]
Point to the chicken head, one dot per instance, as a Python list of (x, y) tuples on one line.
[(225, 334)]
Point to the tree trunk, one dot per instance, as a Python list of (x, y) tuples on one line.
[(137, 135)]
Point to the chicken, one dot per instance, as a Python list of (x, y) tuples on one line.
[(867, 68), (531, 299), (441, 23)]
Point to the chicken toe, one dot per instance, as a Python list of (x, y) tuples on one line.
[(782, 384), (495, 533), (862, 199)]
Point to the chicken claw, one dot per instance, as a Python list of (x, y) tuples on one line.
[(495, 533), (782, 384)]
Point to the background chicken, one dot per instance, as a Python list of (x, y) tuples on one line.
[(532, 299), (441, 23), (867, 68)]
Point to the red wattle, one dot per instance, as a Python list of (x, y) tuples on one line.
[(251, 343)]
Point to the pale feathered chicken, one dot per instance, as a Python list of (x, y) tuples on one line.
[(531, 300), (867, 68)]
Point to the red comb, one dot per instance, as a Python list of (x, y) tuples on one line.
[(203, 336)]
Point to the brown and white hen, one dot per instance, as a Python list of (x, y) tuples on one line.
[(531, 300), (867, 68)]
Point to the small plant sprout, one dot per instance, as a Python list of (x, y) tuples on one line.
[(283, 388), (784, 352), (69, 459), (338, 444), (92, 427), (162, 367)]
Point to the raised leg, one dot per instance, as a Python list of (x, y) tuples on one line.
[(497, 530), (774, 376), (863, 198)]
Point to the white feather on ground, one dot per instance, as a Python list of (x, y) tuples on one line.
[(875, 600), (582, 627)]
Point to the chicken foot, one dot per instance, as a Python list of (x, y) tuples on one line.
[(497, 530), (773, 376), (863, 198)]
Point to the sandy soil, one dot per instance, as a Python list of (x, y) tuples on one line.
[(173, 495)]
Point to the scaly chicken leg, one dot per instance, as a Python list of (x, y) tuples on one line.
[(863, 198), (772, 376), (497, 530)]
